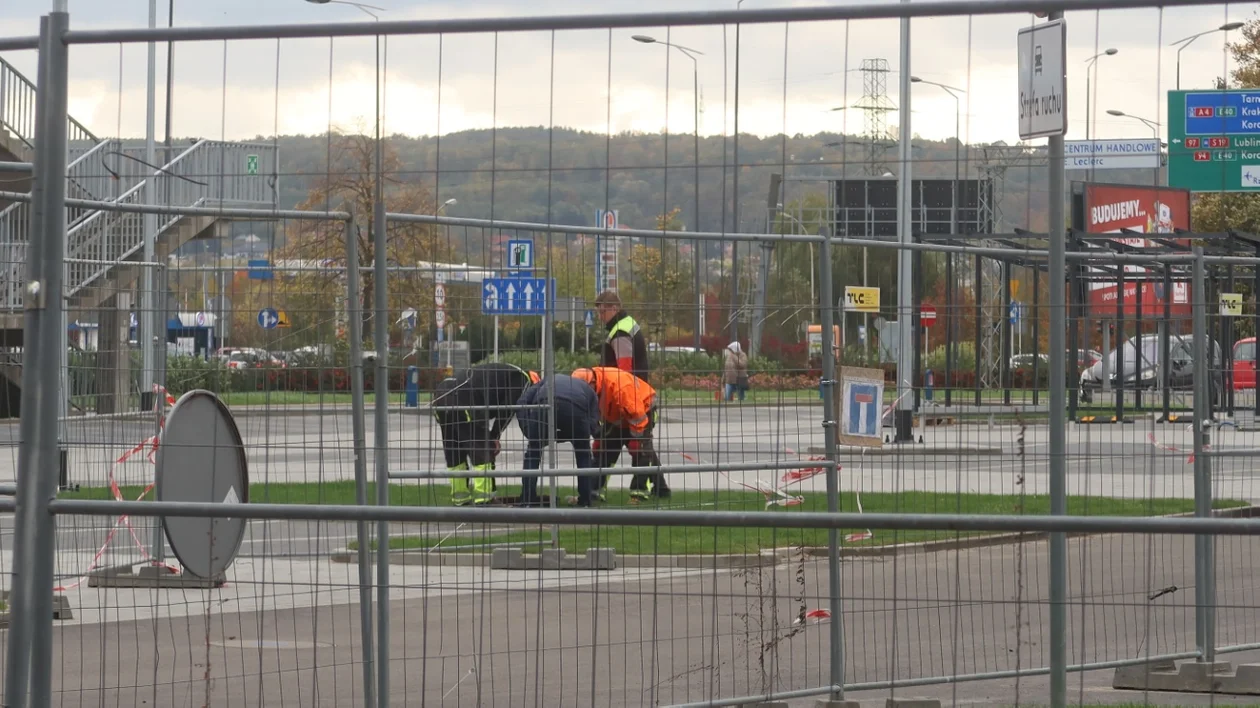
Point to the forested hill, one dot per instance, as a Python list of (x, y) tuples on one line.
[(559, 176)]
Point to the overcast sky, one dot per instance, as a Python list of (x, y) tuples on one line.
[(234, 90)]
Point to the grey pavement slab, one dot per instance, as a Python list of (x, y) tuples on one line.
[(533, 638)]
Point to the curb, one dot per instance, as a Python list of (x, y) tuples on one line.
[(450, 559), (908, 450), (768, 557)]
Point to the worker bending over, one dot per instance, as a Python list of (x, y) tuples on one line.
[(472, 411), (627, 407), (576, 417)]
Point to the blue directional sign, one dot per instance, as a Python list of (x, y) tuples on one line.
[(520, 255), (861, 410), (260, 269), (516, 296), (590, 320), (268, 318), (1016, 313)]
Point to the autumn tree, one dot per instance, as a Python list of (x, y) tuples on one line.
[(660, 282), (350, 184)]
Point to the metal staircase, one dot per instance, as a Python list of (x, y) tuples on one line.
[(102, 246)]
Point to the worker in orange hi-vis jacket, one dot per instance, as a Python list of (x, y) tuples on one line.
[(627, 408)]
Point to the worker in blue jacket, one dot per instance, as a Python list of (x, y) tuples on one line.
[(576, 410)]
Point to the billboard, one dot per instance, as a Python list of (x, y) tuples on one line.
[(867, 208), (1120, 208)]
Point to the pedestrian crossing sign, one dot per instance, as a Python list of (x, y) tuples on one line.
[(861, 406)]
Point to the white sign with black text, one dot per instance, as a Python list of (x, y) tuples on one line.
[(1111, 154), (1042, 80)]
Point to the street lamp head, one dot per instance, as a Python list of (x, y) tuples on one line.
[(318, 2), (1114, 112), (1111, 52), (450, 202), (1230, 26), (644, 39), (915, 80)]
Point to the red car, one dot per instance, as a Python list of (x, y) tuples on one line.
[(1245, 364)]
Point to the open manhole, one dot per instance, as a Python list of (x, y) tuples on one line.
[(249, 644)]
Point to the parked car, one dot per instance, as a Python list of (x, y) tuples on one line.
[(1141, 366), (1245, 364)]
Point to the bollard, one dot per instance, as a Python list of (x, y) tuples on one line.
[(413, 387)]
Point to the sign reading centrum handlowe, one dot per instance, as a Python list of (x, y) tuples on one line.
[(1214, 140)]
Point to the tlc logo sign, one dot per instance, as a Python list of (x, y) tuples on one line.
[(860, 299)]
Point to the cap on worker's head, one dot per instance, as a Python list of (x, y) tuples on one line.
[(608, 297), (534, 377), (585, 374)]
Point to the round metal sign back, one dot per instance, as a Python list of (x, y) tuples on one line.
[(201, 458)]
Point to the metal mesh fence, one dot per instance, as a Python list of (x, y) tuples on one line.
[(807, 497)]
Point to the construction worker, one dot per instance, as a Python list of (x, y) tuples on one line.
[(576, 411), (624, 348), (472, 412), (627, 409)]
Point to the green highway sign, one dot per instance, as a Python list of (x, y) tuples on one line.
[(251, 164), (1214, 140)]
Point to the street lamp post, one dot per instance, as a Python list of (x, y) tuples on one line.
[(953, 230), (695, 93), (1181, 44), (1091, 67), (1154, 130)]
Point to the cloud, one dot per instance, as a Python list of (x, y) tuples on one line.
[(598, 80)]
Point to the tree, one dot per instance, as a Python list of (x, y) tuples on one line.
[(660, 282), (350, 183), (1222, 212)]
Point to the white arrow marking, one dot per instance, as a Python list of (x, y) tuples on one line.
[(529, 296), (511, 295)]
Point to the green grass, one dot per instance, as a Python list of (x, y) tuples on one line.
[(640, 540), (679, 540), (292, 398)]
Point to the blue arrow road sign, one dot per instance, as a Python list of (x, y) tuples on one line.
[(590, 321), (268, 318), (1016, 313), (516, 296)]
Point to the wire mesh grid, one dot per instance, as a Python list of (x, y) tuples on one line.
[(301, 278)]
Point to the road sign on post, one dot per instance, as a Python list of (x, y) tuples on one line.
[(520, 255), (1214, 140), (251, 164), (516, 296), (927, 315), (859, 299), (1016, 313), (268, 318), (1231, 304), (439, 295), (1042, 80)]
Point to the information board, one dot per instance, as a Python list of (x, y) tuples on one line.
[(1214, 140)]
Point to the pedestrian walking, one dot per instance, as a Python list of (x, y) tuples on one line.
[(735, 372)]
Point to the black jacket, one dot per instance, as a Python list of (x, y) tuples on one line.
[(489, 390), (620, 346)]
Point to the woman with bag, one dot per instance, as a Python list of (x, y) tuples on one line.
[(735, 372)]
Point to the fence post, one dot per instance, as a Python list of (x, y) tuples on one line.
[(354, 317), (380, 328), (826, 307), (1058, 419), (1204, 573), (29, 664)]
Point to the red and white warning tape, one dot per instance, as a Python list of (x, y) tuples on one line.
[(149, 447)]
